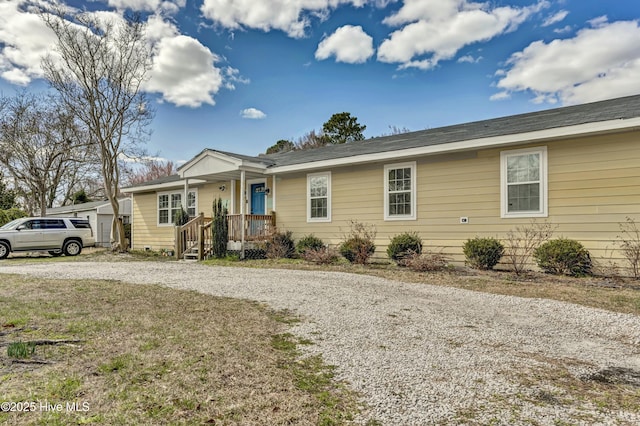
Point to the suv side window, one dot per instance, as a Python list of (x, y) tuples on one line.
[(81, 224), (32, 224), (54, 224)]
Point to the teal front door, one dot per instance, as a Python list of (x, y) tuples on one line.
[(258, 198)]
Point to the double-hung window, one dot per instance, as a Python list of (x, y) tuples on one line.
[(524, 182), (400, 191), (191, 203), (170, 204), (319, 197)]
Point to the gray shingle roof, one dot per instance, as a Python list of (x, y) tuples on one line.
[(620, 108), (78, 207), (613, 109)]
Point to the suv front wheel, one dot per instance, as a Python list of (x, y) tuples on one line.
[(72, 248), (4, 250)]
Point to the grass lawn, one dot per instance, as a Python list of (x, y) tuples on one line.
[(141, 354)]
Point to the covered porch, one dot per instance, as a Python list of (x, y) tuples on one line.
[(246, 191), (194, 240)]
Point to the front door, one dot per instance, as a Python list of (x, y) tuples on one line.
[(258, 198)]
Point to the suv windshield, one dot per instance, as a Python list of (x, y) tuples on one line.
[(11, 225)]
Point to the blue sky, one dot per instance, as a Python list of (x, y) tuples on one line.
[(238, 75)]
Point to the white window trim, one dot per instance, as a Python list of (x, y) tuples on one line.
[(169, 193), (413, 215), (319, 219), (544, 187)]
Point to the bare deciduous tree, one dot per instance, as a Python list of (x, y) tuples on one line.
[(148, 170), (523, 241), (42, 147), (311, 140), (99, 72)]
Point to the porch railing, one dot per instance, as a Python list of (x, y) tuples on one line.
[(256, 226), (187, 235), (195, 236)]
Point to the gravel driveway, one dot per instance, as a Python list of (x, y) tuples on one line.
[(421, 354)]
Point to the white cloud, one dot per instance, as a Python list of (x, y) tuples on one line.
[(599, 21), (290, 16), (563, 30), (469, 59), (184, 72), (232, 76), (598, 63), (438, 29), (166, 6), (253, 114), (24, 41), (348, 44), (554, 19), (500, 96)]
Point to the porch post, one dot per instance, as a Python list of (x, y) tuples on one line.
[(186, 192), (243, 203), (273, 192), (232, 199)]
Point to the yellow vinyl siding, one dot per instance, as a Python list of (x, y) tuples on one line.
[(210, 192), (594, 183), (145, 231)]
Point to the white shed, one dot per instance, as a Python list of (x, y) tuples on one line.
[(99, 214)]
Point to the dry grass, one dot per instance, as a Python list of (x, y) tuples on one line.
[(153, 355), (548, 382)]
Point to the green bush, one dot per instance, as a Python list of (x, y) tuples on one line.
[(280, 245), (483, 253), (309, 242), (563, 256), (358, 245), (403, 244), (7, 216), (357, 250)]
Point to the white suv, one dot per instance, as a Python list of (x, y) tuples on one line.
[(53, 234)]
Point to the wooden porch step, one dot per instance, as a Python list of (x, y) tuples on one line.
[(191, 254)]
